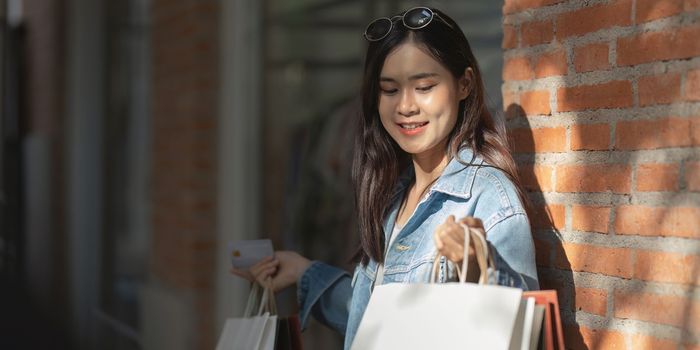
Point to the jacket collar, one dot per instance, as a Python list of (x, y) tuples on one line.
[(456, 179)]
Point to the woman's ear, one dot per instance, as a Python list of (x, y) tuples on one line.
[(465, 83)]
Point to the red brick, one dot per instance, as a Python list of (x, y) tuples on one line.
[(591, 300), (551, 64), (646, 342), (593, 178), (543, 250), (692, 176), (591, 57), (510, 97), (512, 6), (584, 338), (649, 10), (511, 105), (614, 94), (535, 102), (184, 87), (590, 218), (659, 89), (595, 137), (652, 134), (510, 37), (539, 140), (657, 177), (536, 177), (547, 216), (548, 281), (691, 91), (596, 259), (691, 5), (657, 46), (691, 346), (518, 68), (658, 221), (666, 267), (594, 18), (536, 33), (663, 309)]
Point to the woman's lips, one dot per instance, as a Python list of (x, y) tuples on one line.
[(412, 128)]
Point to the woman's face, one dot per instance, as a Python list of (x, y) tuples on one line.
[(419, 100)]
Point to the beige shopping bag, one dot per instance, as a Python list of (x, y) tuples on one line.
[(252, 331)]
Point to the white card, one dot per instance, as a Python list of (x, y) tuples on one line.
[(247, 253)]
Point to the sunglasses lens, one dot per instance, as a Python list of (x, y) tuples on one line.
[(418, 17), (378, 29)]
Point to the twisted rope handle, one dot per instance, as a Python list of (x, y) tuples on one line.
[(268, 302), (253, 297), (264, 303), (483, 259)]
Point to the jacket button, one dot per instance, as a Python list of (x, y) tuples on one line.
[(402, 248)]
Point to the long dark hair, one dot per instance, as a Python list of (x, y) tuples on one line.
[(378, 159)]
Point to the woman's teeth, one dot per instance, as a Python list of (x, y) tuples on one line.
[(412, 126)]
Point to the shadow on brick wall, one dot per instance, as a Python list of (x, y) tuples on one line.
[(553, 268), (655, 220)]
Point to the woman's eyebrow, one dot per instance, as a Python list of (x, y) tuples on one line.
[(422, 76), (412, 77)]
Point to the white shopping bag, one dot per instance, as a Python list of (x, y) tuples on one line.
[(246, 333), (442, 316), (252, 332)]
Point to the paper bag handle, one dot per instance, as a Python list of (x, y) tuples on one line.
[(483, 259), (253, 297), (264, 302), (268, 302)]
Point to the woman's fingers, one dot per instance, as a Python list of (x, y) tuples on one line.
[(263, 264), (449, 237), (265, 275), (243, 274), (258, 272), (264, 269), (447, 241), (474, 223), (281, 270), (454, 248)]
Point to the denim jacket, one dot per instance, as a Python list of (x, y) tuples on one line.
[(339, 300)]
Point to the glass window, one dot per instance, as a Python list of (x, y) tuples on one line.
[(125, 151)]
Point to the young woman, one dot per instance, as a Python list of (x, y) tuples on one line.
[(427, 151)]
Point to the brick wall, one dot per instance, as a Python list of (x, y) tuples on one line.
[(602, 100), (183, 180)]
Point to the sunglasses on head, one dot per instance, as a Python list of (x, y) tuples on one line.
[(415, 18)]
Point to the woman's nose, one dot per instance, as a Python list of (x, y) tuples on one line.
[(407, 105)]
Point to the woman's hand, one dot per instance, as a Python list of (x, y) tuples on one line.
[(285, 268), (449, 240)]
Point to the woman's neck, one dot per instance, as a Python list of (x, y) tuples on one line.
[(428, 166)]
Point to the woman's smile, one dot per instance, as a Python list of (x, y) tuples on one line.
[(412, 128)]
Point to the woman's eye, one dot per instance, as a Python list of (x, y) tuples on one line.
[(389, 91), (425, 88)]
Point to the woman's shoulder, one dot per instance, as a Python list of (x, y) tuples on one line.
[(495, 193)]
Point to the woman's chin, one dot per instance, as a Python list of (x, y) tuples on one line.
[(415, 150), (412, 149)]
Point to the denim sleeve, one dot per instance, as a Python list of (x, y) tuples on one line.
[(513, 253), (324, 291)]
